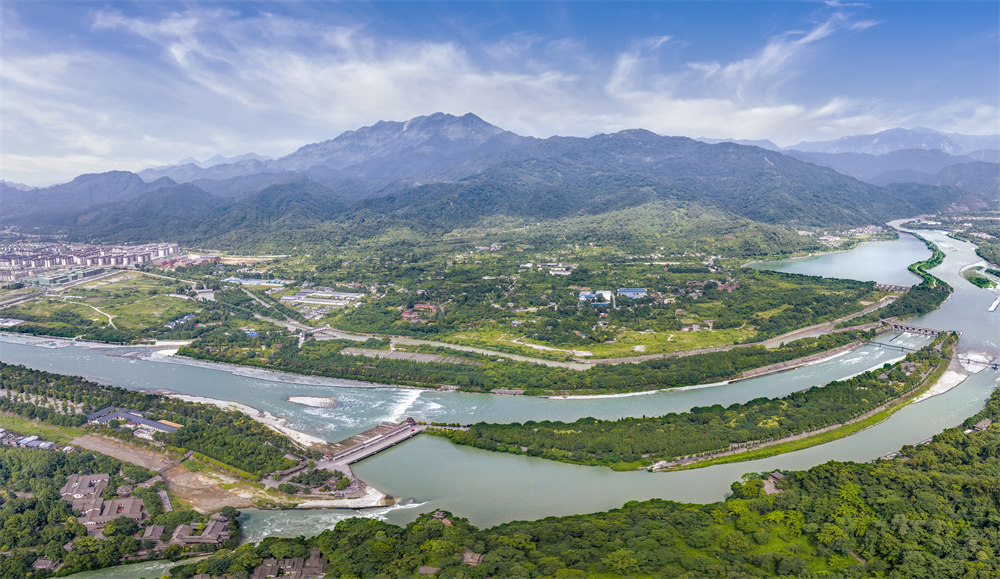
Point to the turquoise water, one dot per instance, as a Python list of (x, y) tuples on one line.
[(489, 488)]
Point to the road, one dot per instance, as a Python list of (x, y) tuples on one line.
[(326, 332)]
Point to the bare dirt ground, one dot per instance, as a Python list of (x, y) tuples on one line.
[(122, 451), (200, 491)]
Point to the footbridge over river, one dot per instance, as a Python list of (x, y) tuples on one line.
[(899, 327)]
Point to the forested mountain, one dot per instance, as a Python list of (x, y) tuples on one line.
[(372, 156), (630, 168), (438, 173), (865, 166), (188, 214), (159, 214), (762, 143)]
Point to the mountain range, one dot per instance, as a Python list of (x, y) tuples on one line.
[(439, 173)]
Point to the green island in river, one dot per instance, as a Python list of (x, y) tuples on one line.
[(749, 531), (704, 435), (166, 332), (928, 513)]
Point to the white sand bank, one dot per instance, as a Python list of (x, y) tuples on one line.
[(975, 362), (948, 380), (266, 418)]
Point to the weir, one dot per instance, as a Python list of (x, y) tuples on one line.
[(372, 441), (899, 289), (910, 329)]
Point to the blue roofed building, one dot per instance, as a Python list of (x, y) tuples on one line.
[(632, 292), (95, 415), (598, 297), (131, 419)]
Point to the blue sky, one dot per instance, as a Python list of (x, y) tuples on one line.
[(92, 86)]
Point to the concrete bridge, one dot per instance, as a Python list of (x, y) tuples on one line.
[(373, 441), (896, 289)]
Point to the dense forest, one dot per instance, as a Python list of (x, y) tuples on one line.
[(324, 358), (713, 428), (227, 436), (930, 513)]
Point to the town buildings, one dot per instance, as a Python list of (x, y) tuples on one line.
[(52, 263)]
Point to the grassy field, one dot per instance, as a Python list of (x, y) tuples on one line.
[(50, 432), (56, 313), (129, 301), (638, 343), (7, 294)]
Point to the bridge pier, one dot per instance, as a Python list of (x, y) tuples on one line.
[(885, 287), (910, 329)]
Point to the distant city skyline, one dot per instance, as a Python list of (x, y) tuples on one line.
[(92, 86)]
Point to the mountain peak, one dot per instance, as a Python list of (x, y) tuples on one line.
[(437, 134)]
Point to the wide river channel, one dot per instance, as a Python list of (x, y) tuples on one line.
[(428, 473)]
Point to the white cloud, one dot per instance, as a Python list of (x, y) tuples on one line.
[(226, 83)]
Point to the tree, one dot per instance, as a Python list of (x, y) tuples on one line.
[(736, 543), (621, 562), (122, 526)]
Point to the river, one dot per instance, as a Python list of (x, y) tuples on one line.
[(868, 261), (489, 488)]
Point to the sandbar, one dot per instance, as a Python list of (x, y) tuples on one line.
[(313, 401), (948, 380)]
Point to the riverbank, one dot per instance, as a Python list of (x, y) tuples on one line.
[(848, 246), (718, 433), (275, 423), (172, 357), (935, 381), (501, 377), (816, 358), (951, 378)]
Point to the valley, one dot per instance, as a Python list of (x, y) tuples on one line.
[(398, 460), (712, 313), (508, 289)]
